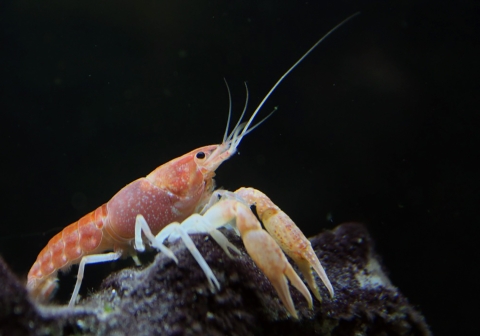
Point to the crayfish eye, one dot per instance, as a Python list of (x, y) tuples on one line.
[(200, 155)]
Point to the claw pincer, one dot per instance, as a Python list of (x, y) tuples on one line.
[(266, 248), (288, 236)]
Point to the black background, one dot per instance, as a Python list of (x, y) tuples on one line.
[(378, 125)]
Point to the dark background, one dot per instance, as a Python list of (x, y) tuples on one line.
[(378, 125)]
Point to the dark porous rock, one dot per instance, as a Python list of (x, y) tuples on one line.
[(169, 299)]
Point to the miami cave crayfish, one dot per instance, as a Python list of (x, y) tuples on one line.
[(178, 199)]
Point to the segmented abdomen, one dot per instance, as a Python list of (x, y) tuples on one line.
[(66, 248)]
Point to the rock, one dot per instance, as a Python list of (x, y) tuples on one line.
[(168, 299)]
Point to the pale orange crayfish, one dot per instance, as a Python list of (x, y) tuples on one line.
[(178, 199)]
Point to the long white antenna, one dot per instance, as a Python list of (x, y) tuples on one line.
[(245, 129)]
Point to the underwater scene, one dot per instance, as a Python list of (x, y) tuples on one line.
[(341, 202)]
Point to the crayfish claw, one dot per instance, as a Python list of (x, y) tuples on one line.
[(281, 286), (313, 261), (268, 256), (306, 270), (289, 237)]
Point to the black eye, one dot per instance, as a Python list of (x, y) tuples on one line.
[(200, 155)]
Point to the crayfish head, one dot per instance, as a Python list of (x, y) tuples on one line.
[(186, 176)]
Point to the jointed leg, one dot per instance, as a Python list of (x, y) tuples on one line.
[(202, 224), (90, 259), (142, 226), (175, 230)]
